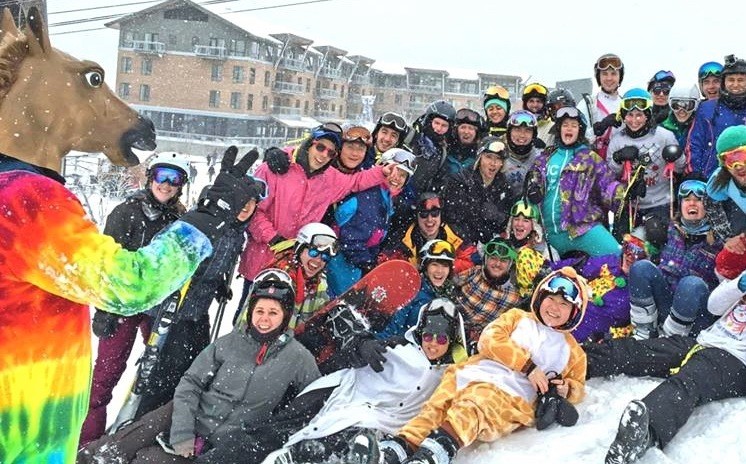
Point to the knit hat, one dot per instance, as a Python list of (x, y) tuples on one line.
[(731, 138), (496, 101)]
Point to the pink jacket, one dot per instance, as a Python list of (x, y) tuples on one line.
[(294, 201)]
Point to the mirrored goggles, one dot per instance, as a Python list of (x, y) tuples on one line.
[(535, 88), (609, 62), (567, 112), (324, 243), (174, 177), (497, 147), (522, 118), (561, 285), (468, 116), (497, 91), (686, 104), (524, 209), (393, 120), (641, 104), (316, 253), (734, 159), (662, 76), (695, 187), (263, 191), (357, 134), (440, 339), (500, 250), (710, 68), (405, 159), (442, 248)]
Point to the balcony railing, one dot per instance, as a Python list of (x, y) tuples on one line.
[(288, 87), (294, 64), (331, 73), (211, 51), (224, 139), (420, 88), (146, 46), (325, 114), (327, 94), (416, 105), (363, 80), (286, 111)]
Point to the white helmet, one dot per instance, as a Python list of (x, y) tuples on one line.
[(172, 159), (407, 162), (317, 235), (682, 97)]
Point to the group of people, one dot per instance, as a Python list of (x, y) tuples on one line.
[(552, 247)]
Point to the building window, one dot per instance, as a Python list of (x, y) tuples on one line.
[(252, 75), (397, 99), (195, 41), (237, 74), (214, 98), (172, 39), (129, 37), (305, 107), (237, 47), (144, 92), (250, 102), (124, 90), (126, 64), (308, 85), (146, 67), (342, 92), (334, 107), (265, 103), (297, 103), (341, 110), (217, 73), (236, 100), (267, 78)]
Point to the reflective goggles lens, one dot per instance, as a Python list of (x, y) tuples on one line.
[(497, 91), (501, 250), (710, 69), (734, 159), (632, 245), (663, 75), (357, 134), (696, 187), (175, 177), (661, 88), (686, 104), (641, 104), (395, 121), (562, 285), (496, 147), (316, 253), (522, 118), (264, 193), (467, 115), (535, 88), (405, 159), (424, 214), (441, 247), (608, 62), (324, 243), (440, 339), (567, 112), (321, 148), (523, 209)]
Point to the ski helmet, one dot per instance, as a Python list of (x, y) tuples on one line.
[(529, 211), (571, 286), (169, 159), (358, 134), (329, 130), (534, 90), (440, 109), (274, 284), (471, 117), (711, 68), (437, 250), (570, 112), (523, 118), (316, 235), (661, 79), (405, 160), (438, 317), (497, 95), (558, 98), (428, 201), (394, 121), (733, 65), (681, 98), (491, 144), (636, 98), (608, 61)]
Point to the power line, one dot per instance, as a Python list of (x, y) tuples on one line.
[(100, 7)]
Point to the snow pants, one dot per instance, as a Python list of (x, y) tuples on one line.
[(480, 411), (700, 375), (598, 241), (111, 362)]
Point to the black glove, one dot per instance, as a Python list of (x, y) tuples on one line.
[(538, 143), (638, 189), (277, 160), (230, 192), (610, 120), (370, 351), (551, 408), (628, 153), (223, 291), (671, 153), (104, 324), (534, 190), (276, 239), (396, 340)]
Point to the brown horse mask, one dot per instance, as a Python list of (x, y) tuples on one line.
[(52, 103)]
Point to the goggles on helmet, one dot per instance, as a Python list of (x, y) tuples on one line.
[(264, 192), (393, 120), (686, 104), (497, 147), (609, 62), (357, 134), (272, 282), (439, 249), (525, 209), (696, 187), (500, 250), (535, 88), (567, 288), (406, 161), (733, 159), (466, 115), (175, 177), (328, 129), (522, 118), (710, 69), (322, 242), (497, 91), (641, 104), (663, 76), (567, 112)]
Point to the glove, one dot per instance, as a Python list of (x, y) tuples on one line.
[(628, 153), (395, 340), (538, 143), (671, 153), (534, 191), (370, 351), (104, 324), (223, 291), (551, 408), (277, 160), (638, 189), (276, 239), (231, 191), (742, 282), (601, 126)]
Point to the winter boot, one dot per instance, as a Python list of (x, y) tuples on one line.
[(393, 450), (280, 456), (633, 437), (675, 326), (363, 449), (438, 448), (644, 317)]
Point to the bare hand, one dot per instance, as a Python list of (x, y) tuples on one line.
[(185, 448), (563, 388), (539, 380), (388, 169), (736, 244)]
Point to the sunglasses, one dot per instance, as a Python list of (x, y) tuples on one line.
[(568, 112), (535, 88), (562, 285), (661, 89), (441, 339), (467, 115), (641, 104), (695, 187), (497, 91), (524, 209), (686, 104), (316, 253), (609, 62), (424, 214), (175, 177), (501, 250), (710, 69), (393, 120), (321, 148), (522, 118), (357, 134), (734, 159)]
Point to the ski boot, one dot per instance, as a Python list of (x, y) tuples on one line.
[(363, 449), (392, 450), (644, 317), (280, 456), (438, 448), (633, 437)]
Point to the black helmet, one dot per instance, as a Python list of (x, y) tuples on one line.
[(440, 316), (274, 284), (469, 116), (606, 61), (441, 109), (734, 65), (394, 121)]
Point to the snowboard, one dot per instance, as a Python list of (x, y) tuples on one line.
[(366, 306)]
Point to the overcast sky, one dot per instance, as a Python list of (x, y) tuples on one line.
[(540, 40)]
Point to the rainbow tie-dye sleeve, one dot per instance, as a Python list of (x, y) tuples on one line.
[(53, 264)]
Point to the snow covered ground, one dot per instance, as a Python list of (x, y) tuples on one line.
[(713, 433)]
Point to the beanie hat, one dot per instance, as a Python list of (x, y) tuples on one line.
[(731, 138), (496, 101)]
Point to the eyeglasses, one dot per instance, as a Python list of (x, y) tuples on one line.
[(393, 120), (496, 91), (321, 148), (686, 104), (693, 187), (535, 88), (567, 112), (659, 89), (641, 104), (468, 116), (609, 62), (500, 250), (496, 147), (734, 159), (441, 339), (316, 253), (560, 284), (522, 118), (710, 68), (357, 134), (524, 209), (174, 177), (424, 214), (326, 243), (265, 189)]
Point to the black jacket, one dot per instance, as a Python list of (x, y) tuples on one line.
[(134, 222)]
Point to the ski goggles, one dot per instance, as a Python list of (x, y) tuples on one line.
[(535, 88), (425, 213), (567, 112), (663, 76), (641, 104), (466, 115), (693, 187), (262, 190), (174, 177), (661, 88), (322, 242), (524, 209), (685, 104), (405, 160), (328, 129), (495, 146), (710, 68), (500, 250), (522, 118), (316, 253), (496, 91), (321, 148), (634, 246), (357, 134), (609, 62), (440, 339), (561, 285), (393, 120), (440, 249), (733, 159)]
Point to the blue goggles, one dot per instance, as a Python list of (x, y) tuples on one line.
[(263, 191), (522, 118), (711, 68), (325, 255), (693, 187), (561, 285), (175, 177)]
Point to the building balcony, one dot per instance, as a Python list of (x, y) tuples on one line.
[(327, 94), (420, 88), (146, 46), (325, 114), (210, 51), (288, 87), (330, 73), (360, 79), (286, 111), (293, 64), (416, 105)]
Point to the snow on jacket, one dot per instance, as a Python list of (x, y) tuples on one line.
[(226, 386), (431, 170), (54, 263), (679, 259), (710, 120), (295, 199), (587, 190), (652, 143), (729, 332)]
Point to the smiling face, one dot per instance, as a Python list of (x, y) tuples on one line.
[(735, 83), (163, 192), (555, 310), (569, 131), (320, 153), (521, 227), (311, 266), (496, 267), (495, 113), (433, 350), (609, 80), (467, 134), (710, 87), (739, 174), (635, 120), (352, 154), (386, 138), (692, 208), (521, 135), (396, 180), (535, 105), (429, 225), (267, 315), (437, 272), (682, 115)]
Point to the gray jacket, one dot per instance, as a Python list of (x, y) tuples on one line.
[(225, 386)]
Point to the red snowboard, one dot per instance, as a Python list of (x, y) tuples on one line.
[(373, 300)]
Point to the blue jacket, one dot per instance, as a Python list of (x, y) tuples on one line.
[(407, 316), (363, 220), (711, 119)]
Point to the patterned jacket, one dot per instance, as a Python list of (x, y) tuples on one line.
[(680, 260)]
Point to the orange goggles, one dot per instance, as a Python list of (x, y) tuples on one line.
[(537, 88), (497, 91), (733, 159)]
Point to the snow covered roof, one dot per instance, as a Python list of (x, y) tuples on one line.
[(303, 122)]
